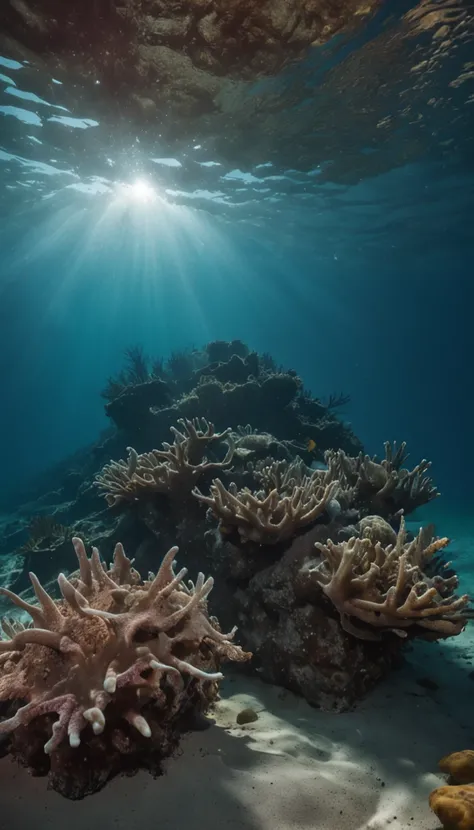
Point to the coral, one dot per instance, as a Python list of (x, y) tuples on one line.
[(234, 370), (136, 371), (115, 651), (219, 351), (454, 807), (385, 587), (295, 642), (236, 386), (171, 471), (336, 401), (44, 529), (459, 766), (251, 443), (377, 530), (383, 487), (268, 518), (284, 476)]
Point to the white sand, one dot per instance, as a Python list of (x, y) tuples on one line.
[(295, 768)]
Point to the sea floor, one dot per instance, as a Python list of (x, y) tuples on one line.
[(295, 767)]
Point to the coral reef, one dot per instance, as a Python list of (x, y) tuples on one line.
[(384, 487), (122, 662), (385, 587), (295, 641), (454, 806), (44, 530), (268, 518), (306, 534), (225, 383), (172, 471)]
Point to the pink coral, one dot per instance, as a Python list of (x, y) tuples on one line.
[(114, 643)]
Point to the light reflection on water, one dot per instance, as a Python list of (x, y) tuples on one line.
[(399, 93)]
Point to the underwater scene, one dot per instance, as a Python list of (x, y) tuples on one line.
[(236, 374)]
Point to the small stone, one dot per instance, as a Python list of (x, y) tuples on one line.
[(247, 716)]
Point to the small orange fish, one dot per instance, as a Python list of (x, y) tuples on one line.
[(311, 445)]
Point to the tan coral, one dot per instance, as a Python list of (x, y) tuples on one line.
[(385, 486), (171, 471), (113, 643), (454, 806), (268, 518), (385, 587), (459, 766)]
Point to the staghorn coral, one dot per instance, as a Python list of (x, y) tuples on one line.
[(284, 476), (454, 806), (171, 471), (115, 650), (268, 518), (385, 587), (384, 487)]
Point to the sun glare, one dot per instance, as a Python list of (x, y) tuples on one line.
[(141, 192)]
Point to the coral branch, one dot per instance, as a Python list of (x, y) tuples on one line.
[(91, 655), (172, 471), (268, 518), (385, 587)]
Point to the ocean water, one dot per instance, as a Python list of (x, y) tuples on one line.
[(325, 220)]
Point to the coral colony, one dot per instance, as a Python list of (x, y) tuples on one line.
[(115, 649), (305, 534)]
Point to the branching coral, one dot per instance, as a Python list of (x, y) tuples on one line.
[(385, 487), (284, 476), (385, 587), (113, 644), (268, 518), (171, 471), (44, 529)]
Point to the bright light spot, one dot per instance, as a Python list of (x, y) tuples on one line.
[(140, 192)]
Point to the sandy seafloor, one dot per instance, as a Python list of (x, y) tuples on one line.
[(295, 767)]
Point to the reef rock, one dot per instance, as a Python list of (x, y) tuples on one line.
[(298, 643)]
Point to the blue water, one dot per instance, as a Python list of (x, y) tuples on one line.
[(361, 280)]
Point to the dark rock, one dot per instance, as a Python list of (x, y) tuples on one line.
[(220, 351), (135, 402)]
